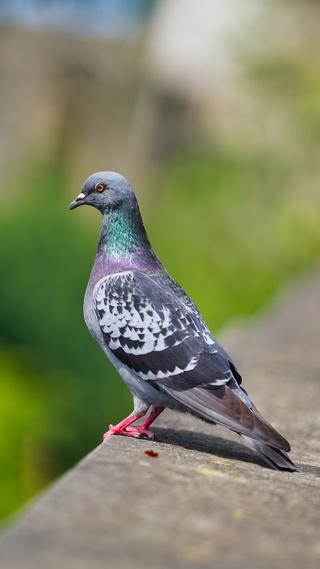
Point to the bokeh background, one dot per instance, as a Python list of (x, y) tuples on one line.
[(212, 110)]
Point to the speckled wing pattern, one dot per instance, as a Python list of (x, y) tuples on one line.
[(157, 335), (152, 327)]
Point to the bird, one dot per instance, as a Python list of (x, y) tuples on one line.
[(154, 334)]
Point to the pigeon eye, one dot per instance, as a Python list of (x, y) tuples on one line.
[(100, 187)]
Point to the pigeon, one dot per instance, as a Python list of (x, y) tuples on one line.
[(154, 334)]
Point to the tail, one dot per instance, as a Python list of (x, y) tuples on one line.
[(276, 458), (224, 407)]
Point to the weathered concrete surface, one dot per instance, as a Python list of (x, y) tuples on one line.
[(205, 501)]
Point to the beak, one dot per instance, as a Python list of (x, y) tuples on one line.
[(78, 201)]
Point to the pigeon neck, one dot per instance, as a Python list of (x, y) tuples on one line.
[(123, 240)]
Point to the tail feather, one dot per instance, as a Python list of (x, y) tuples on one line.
[(276, 458), (224, 407)]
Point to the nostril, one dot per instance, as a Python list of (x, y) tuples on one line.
[(78, 201)]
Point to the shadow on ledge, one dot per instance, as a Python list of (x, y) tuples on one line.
[(217, 446), (209, 444)]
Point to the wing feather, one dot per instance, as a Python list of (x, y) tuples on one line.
[(156, 334), (159, 334)]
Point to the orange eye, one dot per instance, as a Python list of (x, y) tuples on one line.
[(100, 187)]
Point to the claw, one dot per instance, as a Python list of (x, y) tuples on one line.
[(140, 433)]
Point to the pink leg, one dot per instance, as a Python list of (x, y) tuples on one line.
[(141, 431), (143, 428)]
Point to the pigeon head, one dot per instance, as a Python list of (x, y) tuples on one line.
[(105, 191), (123, 239)]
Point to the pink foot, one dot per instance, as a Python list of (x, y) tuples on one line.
[(141, 432), (135, 432)]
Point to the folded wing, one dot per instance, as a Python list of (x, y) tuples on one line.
[(163, 340)]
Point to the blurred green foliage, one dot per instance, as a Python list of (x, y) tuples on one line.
[(58, 390), (218, 214), (231, 229), (22, 410)]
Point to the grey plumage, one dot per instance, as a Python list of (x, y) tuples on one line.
[(154, 334)]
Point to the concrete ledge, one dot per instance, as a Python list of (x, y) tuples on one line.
[(205, 500)]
